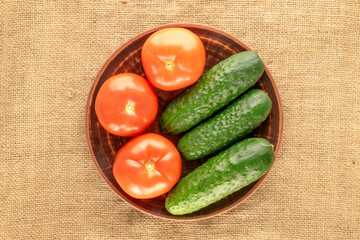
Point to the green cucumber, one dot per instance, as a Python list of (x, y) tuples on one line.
[(214, 90), (232, 169), (228, 126)]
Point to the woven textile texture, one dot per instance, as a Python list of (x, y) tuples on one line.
[(51, 52)]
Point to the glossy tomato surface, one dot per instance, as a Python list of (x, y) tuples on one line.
[(173, 58), (126, 105), (147, 166)]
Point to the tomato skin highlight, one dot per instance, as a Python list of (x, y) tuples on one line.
[(147, 166), (173, 58), (126, 105)]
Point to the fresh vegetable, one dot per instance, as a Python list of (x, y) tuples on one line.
[(229, 171), (173, 58), (228, 126), (126, 105), (214, 90), (147, 166)]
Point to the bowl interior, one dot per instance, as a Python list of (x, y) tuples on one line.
[(103, 146)]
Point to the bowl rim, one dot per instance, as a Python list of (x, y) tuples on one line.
[(98, 168)]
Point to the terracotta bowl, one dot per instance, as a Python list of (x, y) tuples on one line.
[(103, 146)]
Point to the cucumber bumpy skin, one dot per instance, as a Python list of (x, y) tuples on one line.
[(227, 172), (227, 127), (214, 90)]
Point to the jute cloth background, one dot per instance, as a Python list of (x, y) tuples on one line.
[(51, 52)]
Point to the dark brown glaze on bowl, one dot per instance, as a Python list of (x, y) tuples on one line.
[(103, 146)]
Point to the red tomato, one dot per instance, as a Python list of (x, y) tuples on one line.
[(126, 105), (147, 166), (173, 58)]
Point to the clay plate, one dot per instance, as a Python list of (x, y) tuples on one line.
[(103, 146)]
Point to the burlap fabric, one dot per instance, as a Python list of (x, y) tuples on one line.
[(50, 54)]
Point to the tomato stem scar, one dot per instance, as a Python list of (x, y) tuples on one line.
[(149, 165), (130, 107), (169, 65)]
